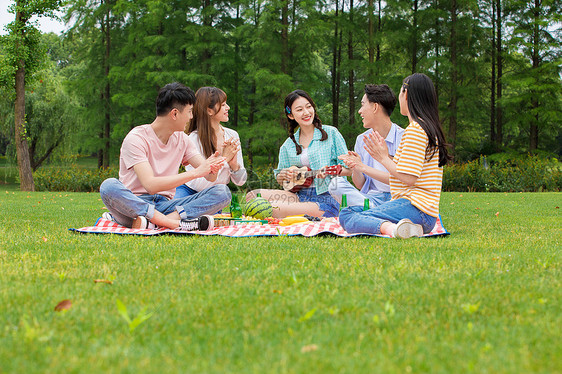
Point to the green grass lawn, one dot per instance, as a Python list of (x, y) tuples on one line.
[(485, 299)]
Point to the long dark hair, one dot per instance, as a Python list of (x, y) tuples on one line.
[(423, 108), (289, 100), (206, 98)]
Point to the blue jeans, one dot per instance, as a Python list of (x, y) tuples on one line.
[(339, 186), (125, 206), (325, 202), (354, 220), (184, 191)]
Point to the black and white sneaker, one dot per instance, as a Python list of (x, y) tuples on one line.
[(107, 216), (143, 223), (202, 223)]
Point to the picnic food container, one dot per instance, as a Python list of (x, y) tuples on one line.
[(222, 220)]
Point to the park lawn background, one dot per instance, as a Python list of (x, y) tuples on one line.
[(485, 299)]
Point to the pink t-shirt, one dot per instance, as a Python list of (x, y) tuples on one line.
[(141, 144)]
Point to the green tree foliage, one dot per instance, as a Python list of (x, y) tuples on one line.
[(52, 123), (21, 59), (534, 102), (495, 64)]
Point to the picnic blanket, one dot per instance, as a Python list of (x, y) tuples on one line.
[(330, 226)]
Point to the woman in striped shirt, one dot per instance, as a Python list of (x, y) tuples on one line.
[(415, 173)]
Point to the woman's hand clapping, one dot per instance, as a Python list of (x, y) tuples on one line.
[(376, 146), (230, 149)]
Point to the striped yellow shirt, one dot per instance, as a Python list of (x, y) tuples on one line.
[(411, 158)]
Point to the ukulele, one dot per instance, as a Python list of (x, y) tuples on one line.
[(304, 177)]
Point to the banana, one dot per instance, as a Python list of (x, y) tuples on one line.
[(291, 220)]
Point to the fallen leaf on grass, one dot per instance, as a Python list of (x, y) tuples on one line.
[(557, 207), (103, 281), (308, 315), (63, 305), (277, 291), (309, 348)]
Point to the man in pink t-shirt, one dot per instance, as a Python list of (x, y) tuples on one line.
[(148, 171)]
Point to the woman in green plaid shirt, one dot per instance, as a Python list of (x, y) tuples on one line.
[(313, 145)]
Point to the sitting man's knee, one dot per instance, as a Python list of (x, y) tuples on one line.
[(222, 190), (108, 184)]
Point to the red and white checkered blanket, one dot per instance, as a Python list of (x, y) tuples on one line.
[(327, 226)]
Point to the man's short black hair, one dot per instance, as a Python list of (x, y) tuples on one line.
[(173, 95), (382, 94)]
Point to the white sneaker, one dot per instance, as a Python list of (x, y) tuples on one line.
[(107, 216), (142, 223), (406, 229), (202, 223)]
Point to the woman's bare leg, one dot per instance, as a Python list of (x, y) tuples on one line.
[(286, 203)]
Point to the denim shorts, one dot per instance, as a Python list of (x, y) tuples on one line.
[(325, 201)]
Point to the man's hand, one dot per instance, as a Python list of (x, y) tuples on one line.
[(353, 161), (212, 165)]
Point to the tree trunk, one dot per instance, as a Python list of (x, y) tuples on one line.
[(285, 37), (334, 70), (534, 128), (22, 150), (103, 153), (454, 79), (379, 31), (107, 102), (493, 84), (499, 65), (437, 40), (207, 23), (415, 37), (36, 163), (371, 46), (351, 71), (338, 83), (236, 108)]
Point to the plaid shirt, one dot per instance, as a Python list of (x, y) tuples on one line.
[(320, 154)]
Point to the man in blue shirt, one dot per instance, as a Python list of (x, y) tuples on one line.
[(377, 105)]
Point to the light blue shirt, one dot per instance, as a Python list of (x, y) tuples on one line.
[(392, 142), (320, 154)]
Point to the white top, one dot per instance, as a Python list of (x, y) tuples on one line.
[(304, 157), (392, 142), (225, 174)]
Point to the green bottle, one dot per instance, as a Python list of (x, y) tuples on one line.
[(258, 194), (235, 209), (343, 201), (366, 204)]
